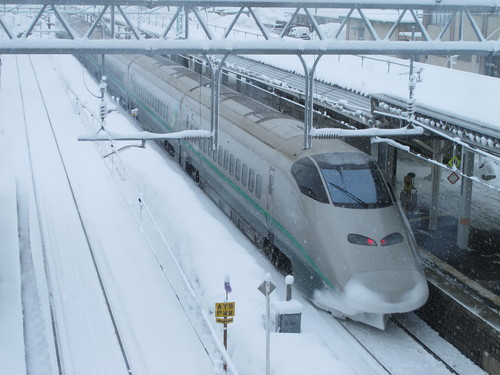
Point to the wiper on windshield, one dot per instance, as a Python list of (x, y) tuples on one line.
[(349, 194)]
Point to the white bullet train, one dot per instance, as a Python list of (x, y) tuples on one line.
[(326, 214)]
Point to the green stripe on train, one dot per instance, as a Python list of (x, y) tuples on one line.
[(234, 186)]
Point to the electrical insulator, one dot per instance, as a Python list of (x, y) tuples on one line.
[(103, 109), (103, 85)]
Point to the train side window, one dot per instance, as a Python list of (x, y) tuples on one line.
[(210, 151), (226, 159), (251, 180), (221, 155), (309, 180), (258, 186), (244, 174), (231, 164), (237, 172), (205, 145)]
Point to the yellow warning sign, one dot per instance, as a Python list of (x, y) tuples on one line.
[(224, 309), (454, 161), (224, 320)]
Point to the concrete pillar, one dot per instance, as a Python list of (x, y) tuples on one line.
[(387, 160), (374, 151), (198, 67), (465, 201), (238, 82), (436, 181), (224, 77)]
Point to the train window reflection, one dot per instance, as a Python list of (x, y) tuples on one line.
[(251, 180), (354, 180), (221, 153), (231, 164), (244, 175), (258, 186), (237, 172), (309, 181), (226, 159)]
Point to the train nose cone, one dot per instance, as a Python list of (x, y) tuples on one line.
[(386, 292)]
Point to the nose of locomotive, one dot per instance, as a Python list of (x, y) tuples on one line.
[(386, 292)]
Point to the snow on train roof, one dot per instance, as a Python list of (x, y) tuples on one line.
[(274, 128)]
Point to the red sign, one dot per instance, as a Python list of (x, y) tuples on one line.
[(453, 178)]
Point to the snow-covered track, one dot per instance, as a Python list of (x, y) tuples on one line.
[(69, 322), (427, 348), (408, 343)]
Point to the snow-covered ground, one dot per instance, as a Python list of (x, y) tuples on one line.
[(204, 243)]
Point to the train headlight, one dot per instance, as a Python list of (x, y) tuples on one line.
[(392, 239), (358, 239)]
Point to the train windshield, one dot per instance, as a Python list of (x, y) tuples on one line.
[(354, 180)]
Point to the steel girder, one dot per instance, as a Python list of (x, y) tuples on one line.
[(112, 13), (474, 5)]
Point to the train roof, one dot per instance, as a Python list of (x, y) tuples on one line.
[(272, 127), (276, 129)]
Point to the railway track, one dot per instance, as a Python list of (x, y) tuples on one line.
[(404, 334), (426, 347), (63, 306), (170, 270)]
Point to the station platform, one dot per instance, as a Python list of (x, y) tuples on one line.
[(480, 262), (464, 297)]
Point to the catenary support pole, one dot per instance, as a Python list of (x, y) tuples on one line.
[(308, 99), (215, 73)]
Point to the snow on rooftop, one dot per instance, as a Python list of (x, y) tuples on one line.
[(376, 15), (470, 96)]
